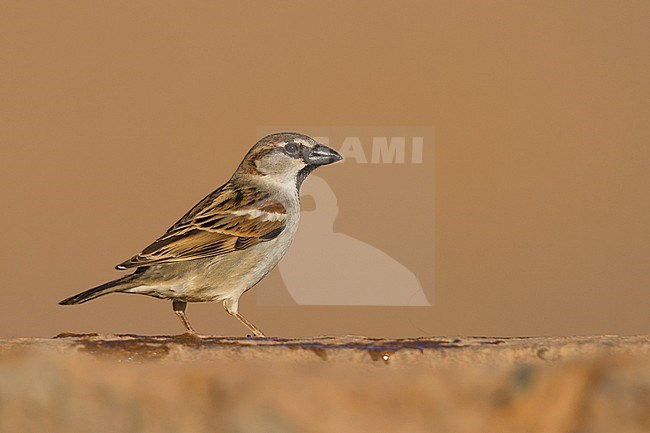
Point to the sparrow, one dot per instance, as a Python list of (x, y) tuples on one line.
[(232, 238)]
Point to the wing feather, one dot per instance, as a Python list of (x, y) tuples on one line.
[(227, 220)]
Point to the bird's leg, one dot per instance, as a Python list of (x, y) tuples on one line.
[(231, 307), (179, 309), (254, 329)]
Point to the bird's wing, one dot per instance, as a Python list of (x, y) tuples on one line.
[(229, 219)]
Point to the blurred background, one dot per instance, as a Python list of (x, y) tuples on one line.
[(528, 216)]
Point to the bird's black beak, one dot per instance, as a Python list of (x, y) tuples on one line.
[(320, 155)]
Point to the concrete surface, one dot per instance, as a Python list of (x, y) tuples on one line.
[(79, 383)]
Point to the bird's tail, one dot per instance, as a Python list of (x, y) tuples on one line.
[(118, 285)]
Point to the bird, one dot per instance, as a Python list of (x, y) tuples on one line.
[(231, 239)]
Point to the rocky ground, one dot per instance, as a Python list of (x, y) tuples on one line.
[(128, 383)]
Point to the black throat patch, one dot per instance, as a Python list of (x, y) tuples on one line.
[(302, 174)]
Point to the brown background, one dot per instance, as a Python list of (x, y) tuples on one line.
[(117, 117)]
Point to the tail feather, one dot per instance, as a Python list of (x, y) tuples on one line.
[(111, 287)]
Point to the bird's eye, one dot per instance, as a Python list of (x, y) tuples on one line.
[(291, 148)]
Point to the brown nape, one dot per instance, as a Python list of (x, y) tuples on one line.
[(248, 166)]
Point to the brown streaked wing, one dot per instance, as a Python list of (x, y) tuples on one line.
[(227, 220)]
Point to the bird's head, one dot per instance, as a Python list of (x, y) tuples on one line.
[(286, 158)]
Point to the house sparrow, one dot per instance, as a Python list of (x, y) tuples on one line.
[(232, 238)]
